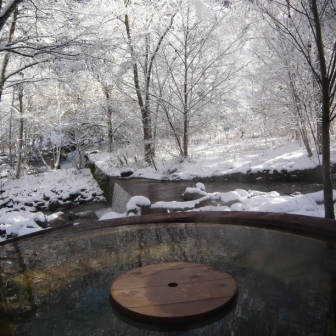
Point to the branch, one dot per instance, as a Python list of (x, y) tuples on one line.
[(296, 41), (15, 72), (156, 51), (7, 11)]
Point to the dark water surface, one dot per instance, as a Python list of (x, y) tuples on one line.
[(60, 286), (172, 190)]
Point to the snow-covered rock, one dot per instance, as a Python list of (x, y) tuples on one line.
[(23, 200), (191, 194), (138, 205), (200, 186)]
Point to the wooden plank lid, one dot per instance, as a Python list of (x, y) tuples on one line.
[(172, 293)]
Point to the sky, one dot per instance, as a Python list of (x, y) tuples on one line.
[(22, 201)]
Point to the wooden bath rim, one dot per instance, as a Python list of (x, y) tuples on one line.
[(316, 227)]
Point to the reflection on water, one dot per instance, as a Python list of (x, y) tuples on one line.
[(286, 283)]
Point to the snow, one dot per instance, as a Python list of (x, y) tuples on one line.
[(242, 200), (220, 159), (20, 199), (236, 157), (180, 205), (200, 186), (239, 200), (19, 223), (54, 215), (111, 215), (136, 203), (230, 196), (193, 191)]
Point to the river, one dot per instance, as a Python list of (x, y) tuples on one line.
[(172, 190)]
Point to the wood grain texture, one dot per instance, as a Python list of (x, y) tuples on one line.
[(172, 292)]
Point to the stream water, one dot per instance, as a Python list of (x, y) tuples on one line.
[(172, 190), (123, 189)]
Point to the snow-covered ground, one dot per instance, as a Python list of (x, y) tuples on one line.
[(23, 201), (227, 158), (242, 156)]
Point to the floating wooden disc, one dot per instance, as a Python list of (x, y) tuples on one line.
[(172, 293)]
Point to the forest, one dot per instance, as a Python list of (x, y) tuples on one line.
[(151, 79)]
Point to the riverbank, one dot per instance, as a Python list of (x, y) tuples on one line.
[(36, 202), (288, 162), (243, 172)]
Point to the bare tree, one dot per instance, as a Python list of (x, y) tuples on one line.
[(310, 24), (34, 34), (20, 133), (286, 82), (196, 71), (142, 88)]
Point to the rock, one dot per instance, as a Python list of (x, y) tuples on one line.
[(192, 194), (126, 172), (68, 205), (57, 220), (82, 200), (88, 199), (74, 195), (138, 205), (10, 204), (41, 220), (54, 205), (200, 186), (229, 198), (172, 171), (99, 199), (41, 206), (4, 203), (86, 215)]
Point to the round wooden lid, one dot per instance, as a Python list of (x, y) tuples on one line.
[(172, 293)]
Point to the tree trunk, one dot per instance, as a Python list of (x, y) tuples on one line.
[(318, 102), (108, 117), (7, 54), (20, 135), (185, 121), (7, 11), (10, 135), (185, 137), (57, 160), (186, 105), (319, 129), (144, 102), (299, 113), (305, 139), (176, 135), (145, 115), (326, 163), (109, 128)]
